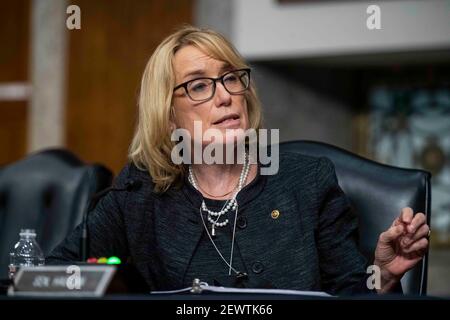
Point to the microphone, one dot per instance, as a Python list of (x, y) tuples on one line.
[(130, 185)]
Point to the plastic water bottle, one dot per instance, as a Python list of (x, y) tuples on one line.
[(26, 252)]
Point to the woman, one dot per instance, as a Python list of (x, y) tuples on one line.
[(227, 224)]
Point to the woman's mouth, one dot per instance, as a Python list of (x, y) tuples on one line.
[(228, 121)]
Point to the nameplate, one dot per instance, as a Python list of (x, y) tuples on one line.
[(62, 281)]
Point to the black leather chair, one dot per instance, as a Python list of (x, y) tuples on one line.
[(377, 192), (47, 191)]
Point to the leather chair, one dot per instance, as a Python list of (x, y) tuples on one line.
[(377, 192), (47, 191)]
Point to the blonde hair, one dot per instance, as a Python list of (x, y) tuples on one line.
[(151, 146)]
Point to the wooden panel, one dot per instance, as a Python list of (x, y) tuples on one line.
[(14, 36), (13, 129), (106, 60), (14, 52)]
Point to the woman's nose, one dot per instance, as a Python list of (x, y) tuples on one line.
[(222, 96)]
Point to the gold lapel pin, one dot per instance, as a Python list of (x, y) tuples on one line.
[(275, 214)]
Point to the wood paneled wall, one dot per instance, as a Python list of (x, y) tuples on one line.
[(106, 60), (14, 52)]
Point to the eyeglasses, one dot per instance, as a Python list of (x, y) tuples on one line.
[(202, 89)]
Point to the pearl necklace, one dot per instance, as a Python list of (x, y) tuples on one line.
[(229, 204)]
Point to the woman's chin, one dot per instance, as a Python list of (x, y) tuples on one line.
[(231, 137)]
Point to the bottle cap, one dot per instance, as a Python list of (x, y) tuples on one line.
[(27, 233)]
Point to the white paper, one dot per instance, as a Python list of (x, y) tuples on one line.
[(205, 287)]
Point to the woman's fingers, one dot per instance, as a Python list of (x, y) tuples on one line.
[(391, 234), (422, 232), (410, 230), (417, 247), (418, 220), (396, 222), (406, 215), (411, 221)]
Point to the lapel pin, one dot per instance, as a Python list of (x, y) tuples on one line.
[(275, 214)]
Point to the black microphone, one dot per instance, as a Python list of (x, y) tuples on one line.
[(130, 185)]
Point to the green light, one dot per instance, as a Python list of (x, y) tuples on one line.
[(113, 260)]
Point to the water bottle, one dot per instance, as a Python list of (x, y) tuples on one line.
[(26, 252)]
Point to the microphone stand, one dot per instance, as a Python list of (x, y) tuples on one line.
[(84, 250)]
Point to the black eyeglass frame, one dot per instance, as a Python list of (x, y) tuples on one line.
[(214, 80)]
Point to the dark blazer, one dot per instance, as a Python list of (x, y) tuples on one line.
[(312, 245)]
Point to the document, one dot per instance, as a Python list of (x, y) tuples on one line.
[(200, 287)]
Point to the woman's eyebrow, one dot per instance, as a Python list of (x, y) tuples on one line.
[(200, 72), (226, 67), (197, 72)]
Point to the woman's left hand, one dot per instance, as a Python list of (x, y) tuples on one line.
[(401, 247)]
